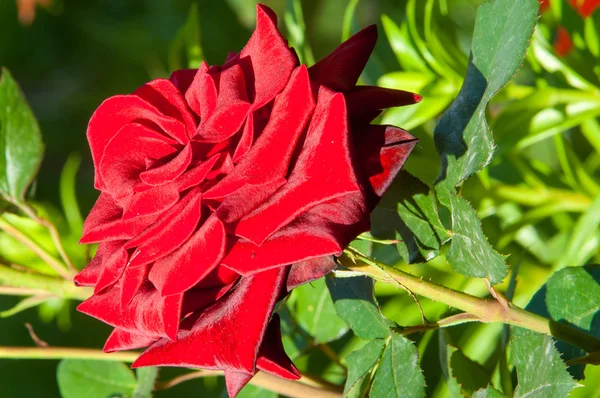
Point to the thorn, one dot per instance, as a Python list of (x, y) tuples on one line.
[(499, 297)]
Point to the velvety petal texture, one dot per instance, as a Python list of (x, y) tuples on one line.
[(224, 188)]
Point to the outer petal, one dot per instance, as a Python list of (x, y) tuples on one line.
[(148, 314), (341, 69), (188, 265), (166, 97), (228, 334), (267, 60), (114, 258), (309, 270), (272, 357), (126, 155), (105, 222), (90, 275), (202, 93), (116, 112), (122, 340), (364, 100), (382, 151), (291, 112), (313, 179), (182, 79)]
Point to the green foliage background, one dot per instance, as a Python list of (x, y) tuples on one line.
[(538, 199)]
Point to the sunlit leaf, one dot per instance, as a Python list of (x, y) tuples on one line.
[(94, 379), (360, 368), (540, 370)]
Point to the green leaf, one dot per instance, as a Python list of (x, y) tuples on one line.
[(463, 375), (316, 313), (185, 51), (573, 295), (21, 148), (409, 212), (360, 368), (398, 373), (540, 371), (355, 303), (489, 392), (94, 379), (503, 29), (470, 253), (145, 384)]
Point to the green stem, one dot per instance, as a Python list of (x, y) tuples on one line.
[(11, 278), (484, 309), (303, 388)]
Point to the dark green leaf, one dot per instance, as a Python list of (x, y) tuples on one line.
[(503, 29), (360, 368), (408, 212), (94, 379), (470, 253), (355, 303), (571, 295), (316, 313), (21, 147), (398, 373), (463, 375), (540, 371), (146, 377)]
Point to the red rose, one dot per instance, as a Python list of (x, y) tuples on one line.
[(225, 187)]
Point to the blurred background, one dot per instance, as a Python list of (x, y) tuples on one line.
[(538, 200)]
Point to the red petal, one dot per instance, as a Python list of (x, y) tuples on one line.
[(202, 94), (148, 313), (197, 174), (323, 230), (171, 231), (122, 340), (114, 258), (313, 179), (116, 112), (309, 270), (105, 223), (228, 334), (90, 275), (246, 139), (367, 99), (291, 112), (126, 154), (132, 280), (232, 107), (188, 265), (341, 69), (169, 171), (235, 381), (246, 199), (182, 79), (267, 60), (382, 151), (166, 97), (152, 201), (272, 357)]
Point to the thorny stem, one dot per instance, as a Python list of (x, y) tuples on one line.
[(295, 389), (484, 309), (34, 247)]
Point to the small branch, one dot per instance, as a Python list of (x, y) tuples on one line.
[(11, 280), (31, 213), (20, 291), (484, 309), (442, 323), (294, 389), (34, 247)]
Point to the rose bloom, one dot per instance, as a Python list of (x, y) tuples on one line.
[(225, 187)]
